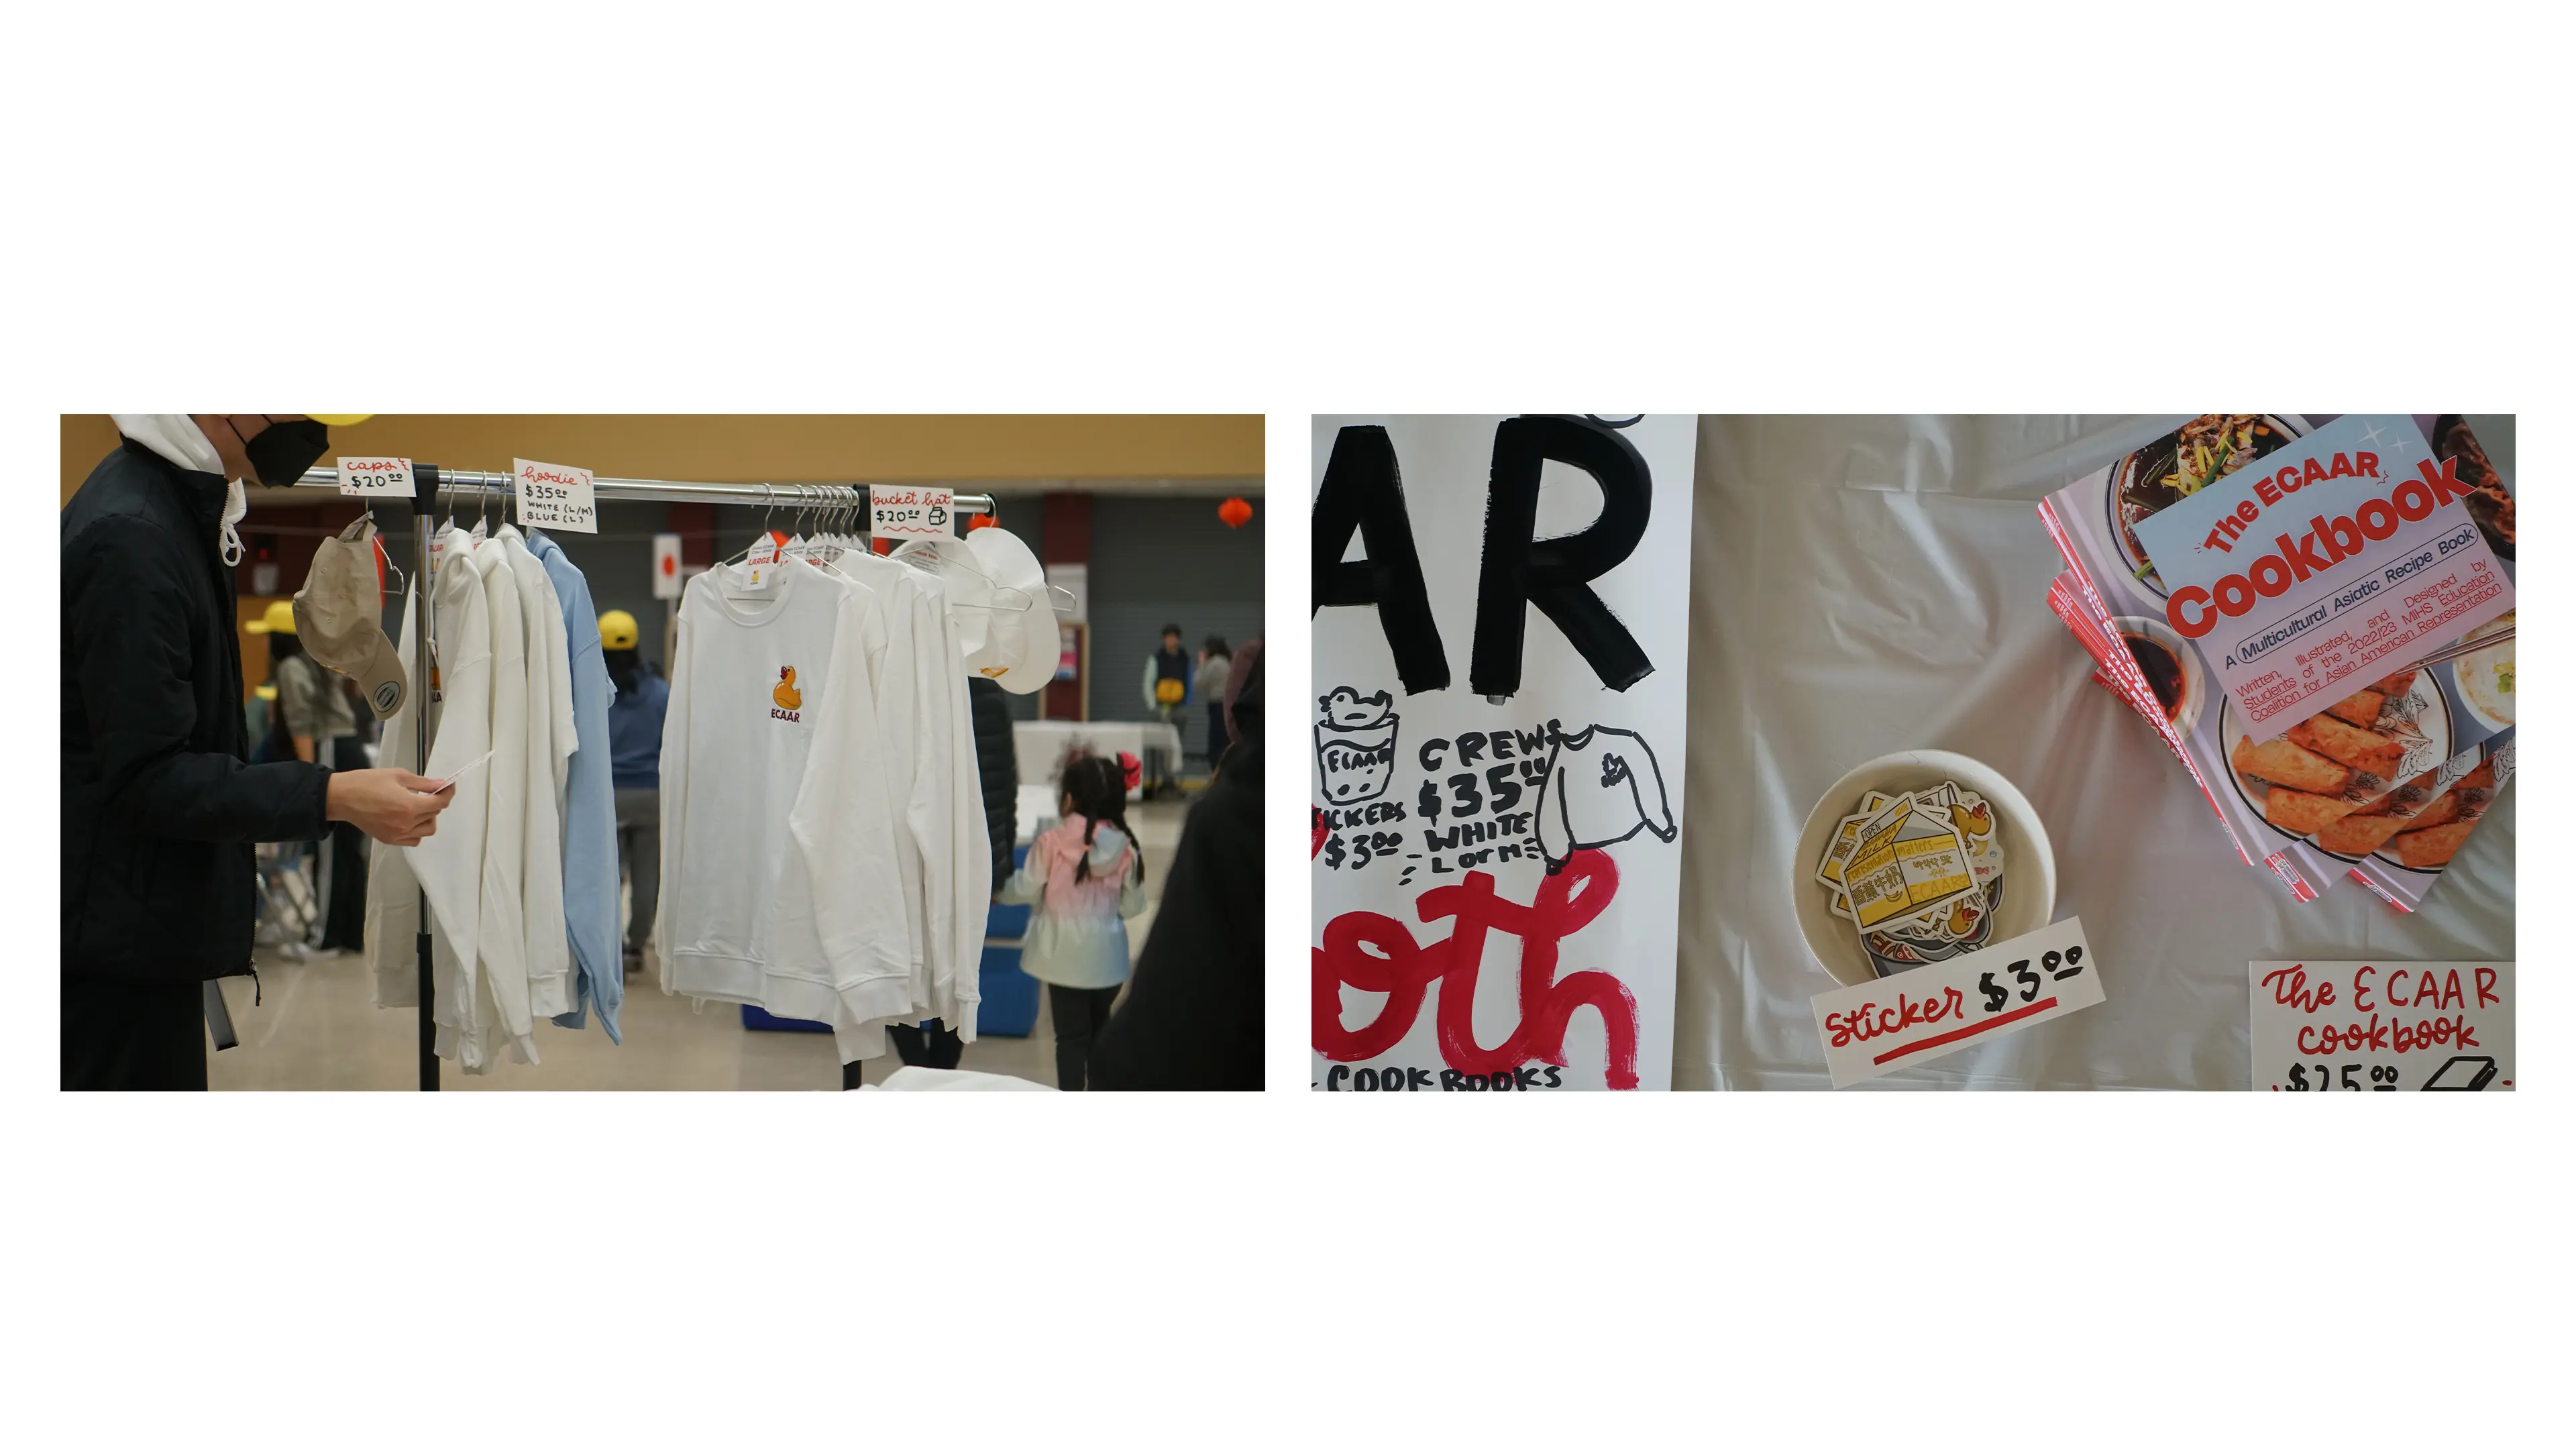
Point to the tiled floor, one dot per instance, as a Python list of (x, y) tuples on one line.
[(315, 1029)]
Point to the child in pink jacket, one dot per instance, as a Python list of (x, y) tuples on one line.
[(1085, 877)]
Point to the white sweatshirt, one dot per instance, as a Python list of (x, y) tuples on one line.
[(946, 854), (909, 707), (956, 997), (779, 878), (550, 741)]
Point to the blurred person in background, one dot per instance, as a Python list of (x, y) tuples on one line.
[(1215, 660), (1192, 1018), (321, 728), (635, 771), (1167, 693)]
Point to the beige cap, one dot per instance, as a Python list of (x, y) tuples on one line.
[(337, 616)]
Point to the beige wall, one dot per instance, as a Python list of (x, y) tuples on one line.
[(786, 448)]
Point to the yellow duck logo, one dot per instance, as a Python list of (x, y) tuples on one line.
[(1961, 918), (785, 696), (1977, 822)]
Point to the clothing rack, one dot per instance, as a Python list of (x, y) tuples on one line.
[(462, 484)]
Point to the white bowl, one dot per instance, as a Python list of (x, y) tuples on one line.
[(2030, 869)]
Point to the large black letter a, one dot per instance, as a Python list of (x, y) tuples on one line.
[(1363, 493), (1555, 574)]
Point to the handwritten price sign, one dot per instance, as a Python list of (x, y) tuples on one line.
[(1931, 1011), (912, 512), (2382, 1026), (375, 477), (554, 496)]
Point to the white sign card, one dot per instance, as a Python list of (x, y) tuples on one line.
[(1500, 659), (2382, 1026), (557, 497), (910, 512), (666, 566), (375, 477), (1933, 1010)]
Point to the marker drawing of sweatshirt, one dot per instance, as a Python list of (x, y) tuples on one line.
[(1602, 787)]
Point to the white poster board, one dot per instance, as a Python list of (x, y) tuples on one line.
[(2382, 1026), (666, 566), (1496, 829)]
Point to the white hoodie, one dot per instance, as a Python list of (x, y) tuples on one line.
[(550, 740), (780, 885), (503, 934), (448, 866)]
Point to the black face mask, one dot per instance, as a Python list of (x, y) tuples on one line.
[(283, 451)]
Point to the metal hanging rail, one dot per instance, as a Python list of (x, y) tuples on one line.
[(429, 481), (463, 483)]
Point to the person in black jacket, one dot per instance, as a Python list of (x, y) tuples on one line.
[(1192, 1019), (160, 804)]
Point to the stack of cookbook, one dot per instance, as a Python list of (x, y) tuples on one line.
[(2315, 613)]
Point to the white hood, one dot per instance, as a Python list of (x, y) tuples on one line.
[(177, 437)]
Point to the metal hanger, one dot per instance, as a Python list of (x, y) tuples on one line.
[(768, 505)]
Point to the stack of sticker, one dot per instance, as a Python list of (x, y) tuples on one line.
[(1919, 875)]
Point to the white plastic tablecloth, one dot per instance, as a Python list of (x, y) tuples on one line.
[(1866, 585), (1040, 744)]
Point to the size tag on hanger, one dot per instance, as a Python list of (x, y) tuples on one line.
[(1911, 1017), (375, 477), (912, 512), (760, 566), (557, 497)]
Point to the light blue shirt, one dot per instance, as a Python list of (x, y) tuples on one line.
[(590, 807)]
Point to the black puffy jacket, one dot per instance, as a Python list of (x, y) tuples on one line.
[(997, 762), (1192, 1018), (160, 805)]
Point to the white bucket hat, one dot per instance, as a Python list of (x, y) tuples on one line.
[(1025, 643)]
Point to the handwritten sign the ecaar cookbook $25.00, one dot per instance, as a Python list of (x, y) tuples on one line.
[(2382, 1026)]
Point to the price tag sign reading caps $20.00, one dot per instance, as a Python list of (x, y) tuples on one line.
[(1931, 1011), (556, 497), (375, 477)]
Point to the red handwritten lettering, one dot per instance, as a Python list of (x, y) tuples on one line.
[(2381, 1036), (1377, 953), (1870, 1021), (2290, 988)]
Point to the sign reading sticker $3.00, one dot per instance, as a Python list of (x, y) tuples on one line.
[(1500, 650)]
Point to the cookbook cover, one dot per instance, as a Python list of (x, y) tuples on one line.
[(2285, 785)]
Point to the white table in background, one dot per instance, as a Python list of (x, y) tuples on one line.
[(1041, 744)]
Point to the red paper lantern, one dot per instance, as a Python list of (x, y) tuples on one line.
[(1235, 512)]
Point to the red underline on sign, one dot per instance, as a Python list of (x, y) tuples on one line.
[(1947, 1037)]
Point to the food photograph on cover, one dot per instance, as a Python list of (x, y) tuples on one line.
[(1982, 752)]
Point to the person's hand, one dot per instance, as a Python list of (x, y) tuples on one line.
[(394, 806)]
